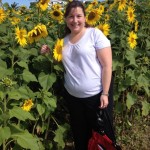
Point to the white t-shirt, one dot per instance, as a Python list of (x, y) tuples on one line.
[(82, 67)]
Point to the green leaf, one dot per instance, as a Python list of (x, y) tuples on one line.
[(59, 136), (142, 81), (48, 97), (41, 109), (46, 81), (27, 140), (14, 94), (26, 92), (145, 108), (23, 64), (5, 134), (4, 71), (117, 64), (28, 76), (4, 116), (33, 51), (3, 28), (130, 55), (2, 95), (58, 68), (131, 99), (119, 107), (20, 114)]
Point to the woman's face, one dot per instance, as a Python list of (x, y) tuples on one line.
[(75, 20)]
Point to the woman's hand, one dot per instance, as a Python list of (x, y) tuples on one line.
[(103, 101), (45, 49)]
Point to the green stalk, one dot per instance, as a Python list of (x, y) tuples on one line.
[(46, 133), (5, 108)]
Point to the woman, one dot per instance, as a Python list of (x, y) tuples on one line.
[(87, 59)]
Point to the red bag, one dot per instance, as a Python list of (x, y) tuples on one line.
[(100, 142), (100, 139)]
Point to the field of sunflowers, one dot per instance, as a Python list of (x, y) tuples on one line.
[(32, 112)]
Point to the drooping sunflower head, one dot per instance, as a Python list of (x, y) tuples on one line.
[(21, 36), (2, 15), (130, 14), (93, 17), (39, 31), (57, 53), (56, 15), (27, 105), (43, 4), (105, 28), (132, 39)]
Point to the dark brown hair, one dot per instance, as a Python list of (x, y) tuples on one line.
[(71, 5)]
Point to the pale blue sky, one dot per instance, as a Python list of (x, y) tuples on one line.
[(19, 2), (26, 2)]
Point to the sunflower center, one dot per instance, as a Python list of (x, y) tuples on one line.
[(91, 16), (56, 13), (59, 50), (131, 14), (21, 35), (132, 40)]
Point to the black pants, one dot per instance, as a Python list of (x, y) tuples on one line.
[(83, 117)]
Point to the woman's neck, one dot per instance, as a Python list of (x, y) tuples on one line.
[(74, 37)]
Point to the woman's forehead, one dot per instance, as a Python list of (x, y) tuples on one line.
[(76, 10)]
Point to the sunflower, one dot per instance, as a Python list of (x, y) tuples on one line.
[(93, 16), (2, 15), (58, 50), (27, 105), (101, 8), (132, 39), (21, 35), (14, 20), (94, 3), (104, 28), (130, 14), (38, 32), (43, 4), (122, 5), (56, 6), (56, 15), (107, 17), (89, 7), (131, 3), (7, 82)]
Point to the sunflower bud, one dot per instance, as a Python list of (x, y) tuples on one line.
[(7, 82)]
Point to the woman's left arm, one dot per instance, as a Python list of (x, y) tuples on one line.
[(105, 58)]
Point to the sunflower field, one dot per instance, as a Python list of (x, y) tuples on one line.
[(32, 112)]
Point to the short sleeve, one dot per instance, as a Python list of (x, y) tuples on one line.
[(100, 40)]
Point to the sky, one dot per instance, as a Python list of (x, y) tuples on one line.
[(19, 2), (23, 2)]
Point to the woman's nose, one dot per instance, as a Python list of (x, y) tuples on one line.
[(75, 19)]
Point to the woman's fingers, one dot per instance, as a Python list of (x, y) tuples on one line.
[(44, 49), (103, 101)]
